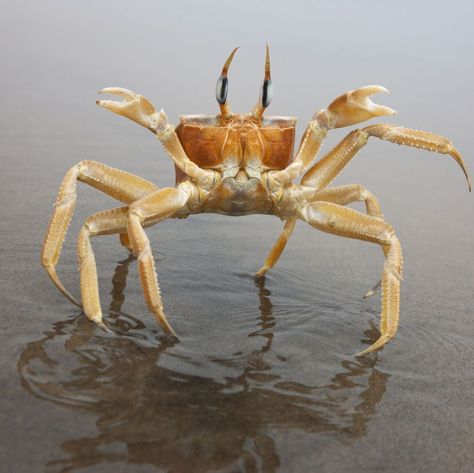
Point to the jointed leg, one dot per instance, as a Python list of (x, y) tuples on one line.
[(120, 185), (348, 109), (278, 247), (344, 221), (348, 194), (137, 108), (125, 241), (328, 168), (345, 195), (101, 223), (342, 195), (155, 207)]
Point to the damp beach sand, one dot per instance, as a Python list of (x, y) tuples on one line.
[(264, 377)]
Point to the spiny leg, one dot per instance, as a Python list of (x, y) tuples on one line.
[(153, 208), (278, 248), (342, 195), (348, 194), (328, 168), (118, 184), (347, 222), (101, 223)]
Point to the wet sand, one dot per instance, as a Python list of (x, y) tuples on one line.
[(264, 377)]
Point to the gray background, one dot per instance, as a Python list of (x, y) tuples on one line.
[(248, 355)]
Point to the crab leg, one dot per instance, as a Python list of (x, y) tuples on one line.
[(137, 108), (348, 109), (347, 194), (118, 184), (342, 195), (101, 223), (278, 247), (154, 208), (327, 169), (347, 222)]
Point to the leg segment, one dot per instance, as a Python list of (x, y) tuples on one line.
[(348, 109), (120, 185), (343, 221), (153, 208), (125, 241), (342, 195), (347, 194), (278, 248), (328, 168), (137, 108), (101, 223)]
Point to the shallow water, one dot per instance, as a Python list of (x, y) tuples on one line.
[(264, 377)]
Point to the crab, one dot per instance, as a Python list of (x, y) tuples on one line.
[(239, 164)]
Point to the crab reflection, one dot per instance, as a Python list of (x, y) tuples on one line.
[(150, 415)]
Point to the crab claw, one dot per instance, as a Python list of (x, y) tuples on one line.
[(135, 107), (355, 107)]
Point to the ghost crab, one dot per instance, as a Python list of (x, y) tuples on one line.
[(238, 164)]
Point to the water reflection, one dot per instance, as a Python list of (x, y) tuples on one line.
[(151, 415)]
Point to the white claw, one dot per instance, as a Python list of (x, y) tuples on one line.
[(135, 107), (120, 91), (356, 107), (371, 89), (360, 98)]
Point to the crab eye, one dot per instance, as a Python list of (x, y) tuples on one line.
[(266, 93), (222, 88)]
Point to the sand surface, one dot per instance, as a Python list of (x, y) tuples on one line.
[(264, 378)]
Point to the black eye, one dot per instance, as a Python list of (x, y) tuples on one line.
[(222, 88), (266, 93)]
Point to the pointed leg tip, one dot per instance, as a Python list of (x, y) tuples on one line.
[(377, 345), (373, 290), (166, 327), (365, 352), (102, 326), (76, 302)]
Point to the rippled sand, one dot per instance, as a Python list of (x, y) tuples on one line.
[(264, 377)]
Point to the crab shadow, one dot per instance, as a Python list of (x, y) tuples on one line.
[(149, 414)]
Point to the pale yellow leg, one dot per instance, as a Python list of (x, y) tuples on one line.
[(153, 208), (347, 222), (330, 165), (125, 241), (137, 108), (278, 247), (350, 108), (118, 184), (347, 194), (101, 223), (342, 195)]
